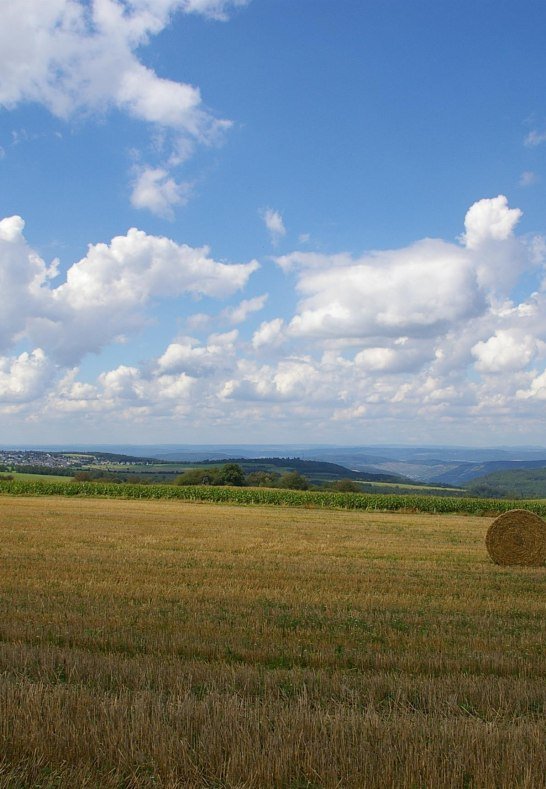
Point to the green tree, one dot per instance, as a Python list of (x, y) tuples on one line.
[(232, 474), (199, 476), (345, 485), (293, 480), (263, 479)]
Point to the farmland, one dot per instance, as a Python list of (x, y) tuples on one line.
[(266, 496), (143, 470), (24, 477), (166, 643)]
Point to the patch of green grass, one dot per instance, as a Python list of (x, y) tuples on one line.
[(23, 477)]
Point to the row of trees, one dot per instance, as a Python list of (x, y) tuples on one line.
[(228, 474), (233, 474)]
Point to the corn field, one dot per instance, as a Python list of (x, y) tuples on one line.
[(270, 496)]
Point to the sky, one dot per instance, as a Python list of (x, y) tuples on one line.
[(284, 221)]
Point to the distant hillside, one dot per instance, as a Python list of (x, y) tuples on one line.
[(430, 465), (315, 470), (527, 483), (466, 472)]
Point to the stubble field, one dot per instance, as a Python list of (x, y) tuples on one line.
[(170, 644)]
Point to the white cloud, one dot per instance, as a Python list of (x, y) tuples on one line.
[(535, 138), (22, 276), (376, 358), (310, 260), (506, 351), (527, 178), (186, 355), (421, 291), (198, 320), (25, 377), (105, 294), (150, 393), (124, 382), (73, 56), (274, 224), (270, 334), (135, 267), (155, 190), (216, 9), (499, 257), (124, 394), (77, 58), (418, 291), (241, 311), (412, 339), (349, 414), (536, 390), (402, 356), (490, 219), (11, 228), (291, 379), (536, 246)]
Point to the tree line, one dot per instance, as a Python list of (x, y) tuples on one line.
[(233, 474)]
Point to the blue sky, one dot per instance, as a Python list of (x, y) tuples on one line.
[(338, 212)]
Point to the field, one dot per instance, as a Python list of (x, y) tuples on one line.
[(173, 644), (264, 496), (24, 477)]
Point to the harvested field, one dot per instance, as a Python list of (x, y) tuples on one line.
[(162, 643)]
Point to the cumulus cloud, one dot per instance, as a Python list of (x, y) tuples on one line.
[(291, 379), (144, 394), (421, 291), (402, 356), (270, 334), (70, 56), (489, 235), (412, 336), (490, 219), (77, 58), (536, 389), (155, 190), (506, 351), (246, 307), (274, 224), (25, 377), (22, 276), (187, 355), (412, 292), (106, 293)]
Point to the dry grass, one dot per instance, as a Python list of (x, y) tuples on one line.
[(147, 644)]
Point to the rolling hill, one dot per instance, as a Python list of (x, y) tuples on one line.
[(525, 483)]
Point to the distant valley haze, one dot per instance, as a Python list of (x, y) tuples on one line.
[(453, 466)]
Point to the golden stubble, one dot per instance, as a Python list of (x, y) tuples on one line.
[(174, 644)]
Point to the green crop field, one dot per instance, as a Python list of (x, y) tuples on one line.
[(24, 477), (268, 496), (161, 643)]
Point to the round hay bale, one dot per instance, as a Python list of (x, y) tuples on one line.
[(517, 537)]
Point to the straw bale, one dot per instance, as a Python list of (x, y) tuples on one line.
[(517, 537)]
